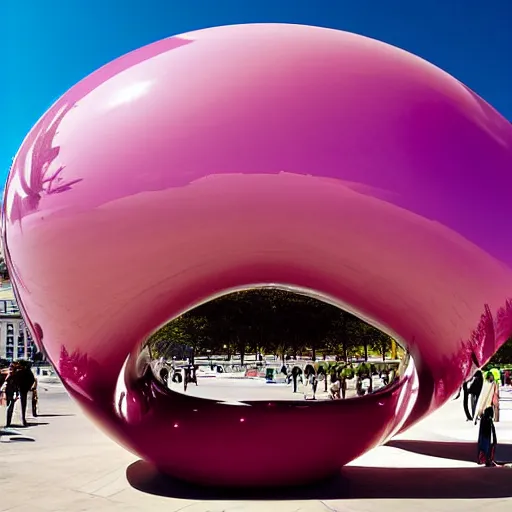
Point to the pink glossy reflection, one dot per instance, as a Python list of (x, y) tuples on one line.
[(257, 154)]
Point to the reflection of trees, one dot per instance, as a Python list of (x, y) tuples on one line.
[(504, 323), (483, 337), (503, 335), (38, 155), (270, 321), (77, 367), (492, 337), (40, 179), (491, 334), (504, 354)]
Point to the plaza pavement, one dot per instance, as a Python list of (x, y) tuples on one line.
[(71, 466)]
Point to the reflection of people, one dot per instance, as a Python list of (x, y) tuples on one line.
[(487, 438), (343, 385), (313, 381), (367, 384), (335, 391), (363, 385), (296, 373), (164, 374), (322, 377)]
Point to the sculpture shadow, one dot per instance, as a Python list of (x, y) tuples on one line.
[(466, 452), (351, 483)]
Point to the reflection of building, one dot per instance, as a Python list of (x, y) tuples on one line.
[(15, 339)]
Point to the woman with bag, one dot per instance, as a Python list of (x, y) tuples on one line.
[(489, 397)]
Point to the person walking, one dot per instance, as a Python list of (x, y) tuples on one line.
[(335, 390), (313, 381), (296, 373), (343, 387), (11, 393), (24, 379)]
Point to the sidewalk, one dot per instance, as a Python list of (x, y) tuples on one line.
[(71, 466)]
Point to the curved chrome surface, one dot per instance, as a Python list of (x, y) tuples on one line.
[(262, 154)]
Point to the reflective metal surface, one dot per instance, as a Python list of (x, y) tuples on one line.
[(261, 154), (268, 378)]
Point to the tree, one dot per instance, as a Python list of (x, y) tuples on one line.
[(504, 354), (381, 343), (270, 321)]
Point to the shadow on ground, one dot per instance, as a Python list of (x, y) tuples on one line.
[(54, 415), (351, 483), (466, 452)]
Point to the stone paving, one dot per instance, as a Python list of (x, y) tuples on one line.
[(71, 466)]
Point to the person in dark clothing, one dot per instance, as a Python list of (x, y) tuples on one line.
[(24, 380), (164, 375), (296, 373), (475, 389), (487, 439), (465, 401)]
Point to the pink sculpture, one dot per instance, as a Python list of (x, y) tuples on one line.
[(257, 154)]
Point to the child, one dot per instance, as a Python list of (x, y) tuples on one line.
[(487, 438)]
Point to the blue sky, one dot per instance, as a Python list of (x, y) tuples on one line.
[(52, 44)]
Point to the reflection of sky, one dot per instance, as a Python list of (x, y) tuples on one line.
[(50, 49), (197, 138)]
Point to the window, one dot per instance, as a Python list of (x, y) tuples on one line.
[(31, 350)]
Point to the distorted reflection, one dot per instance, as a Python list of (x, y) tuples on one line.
[(270, 344)]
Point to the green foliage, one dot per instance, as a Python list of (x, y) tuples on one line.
[(347, 373), (504, 355), (268, 321), (363, 369)]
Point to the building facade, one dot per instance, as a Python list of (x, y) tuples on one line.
[(15, 339)]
